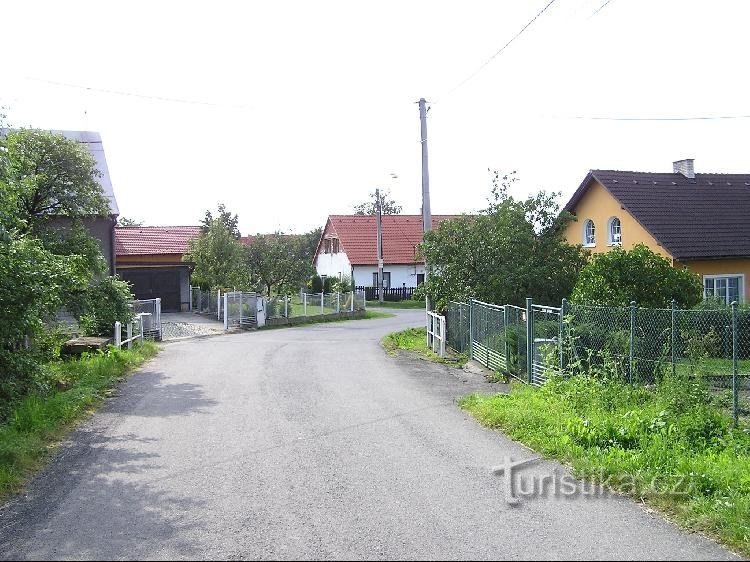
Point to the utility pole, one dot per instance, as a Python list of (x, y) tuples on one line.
[(426, 212), (380, 246)]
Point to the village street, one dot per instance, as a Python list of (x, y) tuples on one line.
[(308, 443)]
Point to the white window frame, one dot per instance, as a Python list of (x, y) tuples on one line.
[(610, 234), (741, 288), (586, 242)]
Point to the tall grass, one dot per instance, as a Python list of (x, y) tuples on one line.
[(664, 445), (39, 420)]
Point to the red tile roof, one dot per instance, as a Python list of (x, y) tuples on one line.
[(358, 237), (153, 240)]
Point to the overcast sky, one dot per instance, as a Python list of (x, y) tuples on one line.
[(298, 109)]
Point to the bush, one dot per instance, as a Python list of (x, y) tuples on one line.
[(316, 284), (329, 284), (105, 302)]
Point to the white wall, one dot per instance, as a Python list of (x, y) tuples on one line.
[(400, 274), (333, 265)]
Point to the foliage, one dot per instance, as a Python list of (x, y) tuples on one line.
[(329, 284), (310, 243), (125, 221), (103, 303), (316, 284), (343, 285), (512, 250), (279, 261), (666, 445), (225, 218), (44, 175), (38, 421), (219, 258), (72, 240), (388, 206), (415, 340), (617, 277)]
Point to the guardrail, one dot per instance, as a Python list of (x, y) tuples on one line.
[(436, 333), (130, 338)]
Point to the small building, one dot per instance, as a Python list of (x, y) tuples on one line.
[(348, 246), (150, 258), (698, 221)]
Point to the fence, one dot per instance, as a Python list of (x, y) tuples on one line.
[(392, 294), (151, 309), (436, 333), (140, 333), (239, 309), (306, 304), (639, 345)]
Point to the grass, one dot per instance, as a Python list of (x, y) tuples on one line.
[(305, 320), (397, 304), (415, 340), (666, 446), (38, 422)]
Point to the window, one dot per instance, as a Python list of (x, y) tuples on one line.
[(335, 245), (728, 288), (420, 279), (614, 233), (386, 279), (589, 233)]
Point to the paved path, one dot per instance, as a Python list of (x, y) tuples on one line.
[(307, 443)]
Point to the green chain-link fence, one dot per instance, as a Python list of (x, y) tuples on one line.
[(641, 346)]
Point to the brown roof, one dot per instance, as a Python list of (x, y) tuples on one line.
[(401, 235), (154, 240), (707, 217)]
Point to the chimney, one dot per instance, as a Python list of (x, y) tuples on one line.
[(684, 167)]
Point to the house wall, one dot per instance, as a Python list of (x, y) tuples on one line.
[(333, 265), (400, 274), (599, 205), (718, 267)]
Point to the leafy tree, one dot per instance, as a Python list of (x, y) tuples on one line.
[(310, 242), (44, 175), (280, 261), (617, 277), (125, 221), (218, 257), (229, 221), (388, 206), (316, 284), (512, 250), (105, 301)]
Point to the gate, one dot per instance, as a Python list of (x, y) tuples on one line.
[(240, 309), (151, 311), (498, 338), (545, 329)]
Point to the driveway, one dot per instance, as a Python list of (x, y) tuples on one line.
[(308, 443)]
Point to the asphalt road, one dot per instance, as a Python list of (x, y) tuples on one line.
[(308, 443)]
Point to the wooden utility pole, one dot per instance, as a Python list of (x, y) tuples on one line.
[(380, 245)]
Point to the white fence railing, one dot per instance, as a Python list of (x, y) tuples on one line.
[(436, 333), (140, 320)]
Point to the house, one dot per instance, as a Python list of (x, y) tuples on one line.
[(697, 221), (150, 258), (348, 246), (99, 227)]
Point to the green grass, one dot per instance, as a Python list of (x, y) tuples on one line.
[(305, 320), (397, 304), (641, 441), (415, 340), (38, 422)]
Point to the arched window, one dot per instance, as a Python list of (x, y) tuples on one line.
[(589, 233), (614, 232)]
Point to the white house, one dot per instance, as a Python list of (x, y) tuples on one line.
[(348, 246)]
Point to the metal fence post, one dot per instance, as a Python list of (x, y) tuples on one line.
[(442, 336), (563, 307), (471, 329), (735, 381), (505, 337), (338, 303), (118, 334), (530, 339), (304, 304), (632, 340), (226, 311), (286, 306), (352, 304), (141, 323), (674, 337), (322, 301), (129, 333), (218, 304)]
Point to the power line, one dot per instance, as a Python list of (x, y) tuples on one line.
[(688, 118), (600, 8), (130, 94), (497, 53)]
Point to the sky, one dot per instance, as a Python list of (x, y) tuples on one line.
[(290, 111)]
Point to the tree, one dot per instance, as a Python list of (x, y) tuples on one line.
[(280, 261), (388, 206), (125, 221), (617, 277), (43, 175), (225, 218), (218, 258), (310, 242), (512, 250)]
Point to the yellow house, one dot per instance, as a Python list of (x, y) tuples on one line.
[(698, 221)]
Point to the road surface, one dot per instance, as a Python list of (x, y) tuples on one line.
[(308, 443)]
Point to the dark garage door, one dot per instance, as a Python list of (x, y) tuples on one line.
[(155, 283)]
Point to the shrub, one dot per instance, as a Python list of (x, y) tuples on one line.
[(105, 302), (316, 284)]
